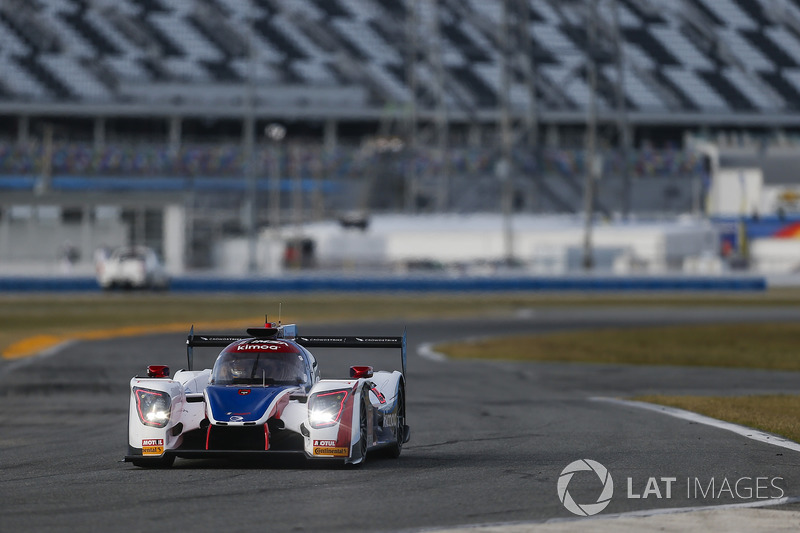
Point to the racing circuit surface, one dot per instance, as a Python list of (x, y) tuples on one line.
[(488, 443)]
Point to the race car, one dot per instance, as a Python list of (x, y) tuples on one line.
[(132, 267), (264, 397)]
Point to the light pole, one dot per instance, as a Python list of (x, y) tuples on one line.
[(296, 168), (441, 116), (276, 133), (623, 124), (503, 169), (250, 195), (248, 140), (412, 46), (591, 142)]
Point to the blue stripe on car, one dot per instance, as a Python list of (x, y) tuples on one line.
[(226, 401)]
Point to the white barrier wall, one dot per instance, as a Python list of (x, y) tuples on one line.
[(34, 240), (775, 256), (736, 191), (232, 256), (174, 238), (547, 244)]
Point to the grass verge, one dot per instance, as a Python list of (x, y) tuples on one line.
[(770, 346), (763, 346), (777, 413), (40, 320), (29, 323)]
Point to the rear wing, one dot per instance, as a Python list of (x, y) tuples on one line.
[(289, 331), (357, 342)]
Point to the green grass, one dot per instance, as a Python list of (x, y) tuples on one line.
[(777, 413), (771, 346), (764, 346), (24, 315)]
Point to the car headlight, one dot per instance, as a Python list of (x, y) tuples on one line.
[(325, 408), (152, 406)]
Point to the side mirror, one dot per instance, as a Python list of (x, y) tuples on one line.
[(360, 372)]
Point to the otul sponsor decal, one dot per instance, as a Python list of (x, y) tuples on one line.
[(152, 446), (328, 443)]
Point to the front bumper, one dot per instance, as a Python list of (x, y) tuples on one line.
[(253, 455)]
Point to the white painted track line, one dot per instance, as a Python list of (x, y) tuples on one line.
[(744, 431), (426, 351), (727, 519)]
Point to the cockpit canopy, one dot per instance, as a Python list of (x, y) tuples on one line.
[(251, 363)]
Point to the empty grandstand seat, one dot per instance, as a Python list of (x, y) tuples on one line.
[(729, 55)]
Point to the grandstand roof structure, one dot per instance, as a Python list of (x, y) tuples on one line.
[(669, 61)]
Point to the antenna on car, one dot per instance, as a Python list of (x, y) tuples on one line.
[(279, 313)]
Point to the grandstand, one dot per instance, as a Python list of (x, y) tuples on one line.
[(685, 61), (389, 105)]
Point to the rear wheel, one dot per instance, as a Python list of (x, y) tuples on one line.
[(397, 447)]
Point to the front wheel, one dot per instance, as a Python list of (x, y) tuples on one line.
[(362, 440), (397, 447), (363, 433)]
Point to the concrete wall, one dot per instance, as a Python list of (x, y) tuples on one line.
[(36, 239), (544, 244)]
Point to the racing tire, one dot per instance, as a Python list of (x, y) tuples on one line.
[(363, 434), (396, 448), (161, 462)]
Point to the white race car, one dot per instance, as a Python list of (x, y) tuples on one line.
[(132, 267), (264, 397)]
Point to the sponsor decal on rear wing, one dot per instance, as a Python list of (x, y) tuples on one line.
[(350, 342), (356, 342), (214, 340)]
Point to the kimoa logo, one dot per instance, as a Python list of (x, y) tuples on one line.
[(586, 509)]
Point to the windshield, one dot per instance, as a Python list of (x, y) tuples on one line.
[(254, 368), (130, 254)]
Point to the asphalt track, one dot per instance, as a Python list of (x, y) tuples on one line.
[(489, 439)]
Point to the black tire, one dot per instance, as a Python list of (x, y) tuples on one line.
[(362, 441), (395, 450), (161, 462)]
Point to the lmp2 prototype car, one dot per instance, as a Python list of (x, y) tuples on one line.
[(264, 397)]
